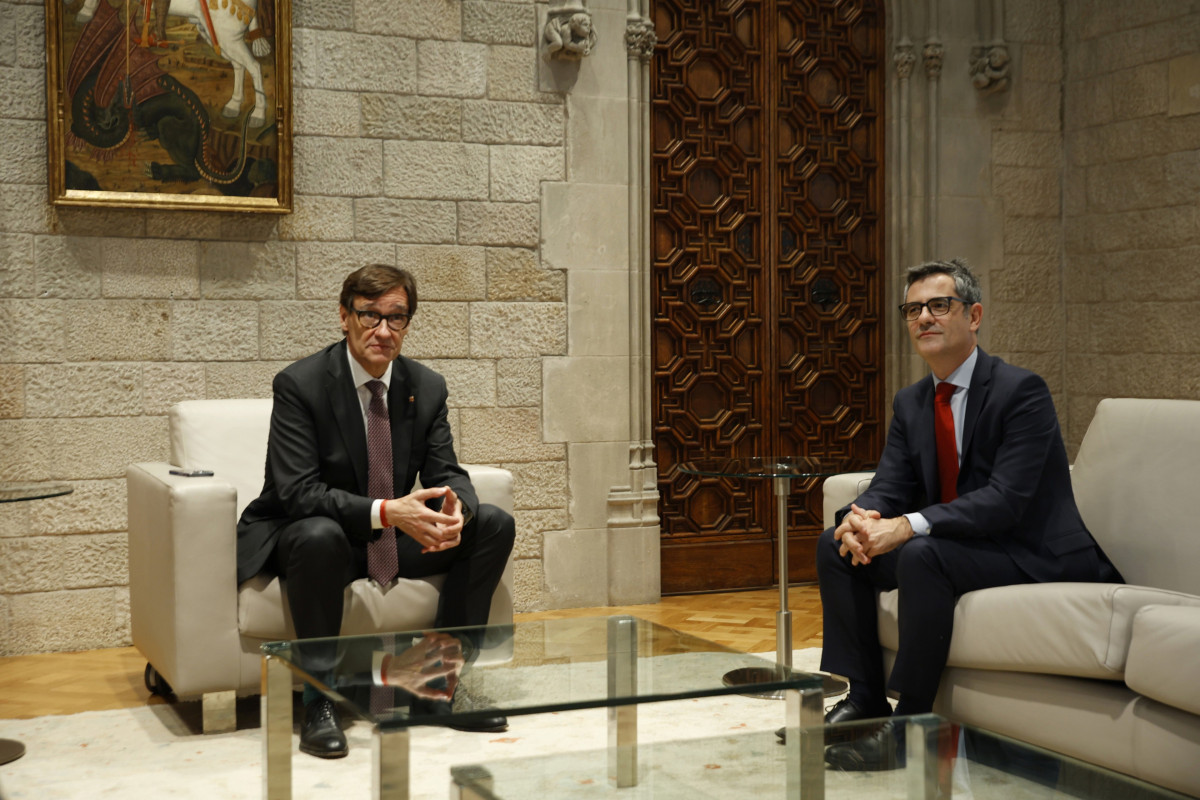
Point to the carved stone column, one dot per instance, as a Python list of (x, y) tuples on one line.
[(633, 523)]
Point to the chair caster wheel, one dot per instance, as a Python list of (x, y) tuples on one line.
[(156, 685)]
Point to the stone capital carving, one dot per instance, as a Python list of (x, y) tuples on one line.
[(568, 35), (904, 58), (933, 54), (640, 38), (990, 68)]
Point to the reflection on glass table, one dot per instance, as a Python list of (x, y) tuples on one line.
[(781, 470), (936, 759)]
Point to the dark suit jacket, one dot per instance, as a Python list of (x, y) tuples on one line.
[(1014, 483), (317, 451)]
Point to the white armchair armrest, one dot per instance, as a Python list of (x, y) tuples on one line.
[(840, 490), (183, 576)]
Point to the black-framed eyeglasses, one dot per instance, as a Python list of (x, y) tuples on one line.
[(371, 319), (938, 307)]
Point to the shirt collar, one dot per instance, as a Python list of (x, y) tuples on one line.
[(362, 377), (961, 377)]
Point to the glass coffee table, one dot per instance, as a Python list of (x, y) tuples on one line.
[(15, 492), (942, 760), (456, 674)]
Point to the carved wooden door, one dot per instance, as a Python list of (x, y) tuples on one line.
[(767, 246)]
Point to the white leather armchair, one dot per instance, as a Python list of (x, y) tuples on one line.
[(199, 630)]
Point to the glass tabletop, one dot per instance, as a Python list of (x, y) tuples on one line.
[(14, 491), (524, 668), (975, 763), (769, 466)]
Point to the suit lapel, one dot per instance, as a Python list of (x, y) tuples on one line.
[(347, 412), (927, 441), (981, 385), (402, 413)]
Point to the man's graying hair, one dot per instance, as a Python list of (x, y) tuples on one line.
[(965, 282), (373, 280)]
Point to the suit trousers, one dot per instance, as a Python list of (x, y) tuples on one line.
[(317, 560), (931, 573)]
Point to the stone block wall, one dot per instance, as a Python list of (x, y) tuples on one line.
[(1131, 251), (423, 138), (1025, 321)]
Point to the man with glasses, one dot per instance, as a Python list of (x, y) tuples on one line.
[(352, 428), (972, 491)]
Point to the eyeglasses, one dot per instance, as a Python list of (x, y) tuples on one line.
[(371, 319), (938, 307)]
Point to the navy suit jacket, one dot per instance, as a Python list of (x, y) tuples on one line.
[(317, 451), (1014, 483)]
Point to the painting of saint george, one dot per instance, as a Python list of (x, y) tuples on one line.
[(170, 103)]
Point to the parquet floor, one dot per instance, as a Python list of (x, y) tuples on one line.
[(96, 680)]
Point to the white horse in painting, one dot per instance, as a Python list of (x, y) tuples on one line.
[(224, 25)]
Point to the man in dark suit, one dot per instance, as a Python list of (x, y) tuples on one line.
[(968, 496), (352, 428)]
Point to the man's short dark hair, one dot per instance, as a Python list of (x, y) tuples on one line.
[(965, 282), (375, 280)]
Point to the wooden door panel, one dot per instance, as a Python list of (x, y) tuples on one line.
[(766, 138)]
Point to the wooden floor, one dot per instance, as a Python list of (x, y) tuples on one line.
[(95, 680)]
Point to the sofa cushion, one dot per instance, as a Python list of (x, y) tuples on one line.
[(1162, 655), (406, 605), (1077, 629)]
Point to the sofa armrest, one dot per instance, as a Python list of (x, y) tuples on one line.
[(840, 490), (183, 577), (494, 485), (1162, 649)]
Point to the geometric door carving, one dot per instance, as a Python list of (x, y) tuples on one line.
[(767, 144)]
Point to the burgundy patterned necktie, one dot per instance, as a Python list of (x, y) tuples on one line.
[(947, 447), (382, 563)]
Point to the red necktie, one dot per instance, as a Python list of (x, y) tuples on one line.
[(382, 562), (947, 448)]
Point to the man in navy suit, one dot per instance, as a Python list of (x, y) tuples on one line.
[(314, 521), (997, 510)]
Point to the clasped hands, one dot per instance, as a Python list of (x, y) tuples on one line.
[(433, 530), (865, 534), (436, 658)]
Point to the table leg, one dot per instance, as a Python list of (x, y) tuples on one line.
[(276, 714), (783, 619), (390, 773), (470, 781), (622, 682), (805, 743), (921, 750)]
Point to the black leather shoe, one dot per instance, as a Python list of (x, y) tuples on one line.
[(321, 734), (494, 724), (844, 711), (881, 749)]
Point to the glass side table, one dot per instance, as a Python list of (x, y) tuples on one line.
[(12, 492), (781, 470)]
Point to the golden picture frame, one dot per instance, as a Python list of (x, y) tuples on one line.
[(170, 104)]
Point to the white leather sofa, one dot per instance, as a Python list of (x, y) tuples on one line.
[(1106, 673), (199, 630)]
